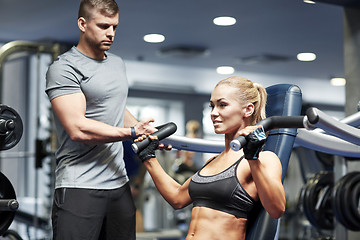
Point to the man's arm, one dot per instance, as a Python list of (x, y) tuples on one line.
[(70, 110)]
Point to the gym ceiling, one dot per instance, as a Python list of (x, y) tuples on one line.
[(265, 39)]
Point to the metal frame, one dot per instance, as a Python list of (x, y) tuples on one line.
[(24, 46), (314, 139)]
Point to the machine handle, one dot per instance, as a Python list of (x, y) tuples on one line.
[(163, 132), (272, 123)]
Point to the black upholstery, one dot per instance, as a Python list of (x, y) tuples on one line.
[(283, 100)]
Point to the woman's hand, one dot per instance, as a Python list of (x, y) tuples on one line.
[(149, 151), (256, 138)]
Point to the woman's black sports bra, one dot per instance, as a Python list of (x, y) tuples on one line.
[(222, 192)]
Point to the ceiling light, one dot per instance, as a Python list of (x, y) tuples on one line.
[(308, 1), (154, 38), (225, 70), (338, 81), (306, 57), (224, 21)]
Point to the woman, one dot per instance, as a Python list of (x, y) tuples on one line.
[(225, 190)]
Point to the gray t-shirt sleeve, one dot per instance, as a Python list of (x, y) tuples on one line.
[(62, 79)]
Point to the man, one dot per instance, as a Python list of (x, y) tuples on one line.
[(88, 88)]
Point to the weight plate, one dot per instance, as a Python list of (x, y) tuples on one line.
[(317, 200), (6, 192), (339, 202), (307, 201), (350, 214), (355, 201), (11, 137)]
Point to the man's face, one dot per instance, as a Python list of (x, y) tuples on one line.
[(100, 30)]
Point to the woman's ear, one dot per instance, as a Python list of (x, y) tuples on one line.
[(249, 109), (82, 24)]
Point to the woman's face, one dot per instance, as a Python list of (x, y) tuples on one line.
[(227, 112)]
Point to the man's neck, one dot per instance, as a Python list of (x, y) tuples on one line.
[(90, 52)]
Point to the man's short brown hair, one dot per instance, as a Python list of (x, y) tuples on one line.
[(106, 7)]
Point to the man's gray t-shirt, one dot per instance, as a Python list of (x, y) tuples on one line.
[(105, 86)]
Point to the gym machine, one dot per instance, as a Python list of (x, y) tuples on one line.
[(336, 137), (324, 201), (11, 129), (35, 145)]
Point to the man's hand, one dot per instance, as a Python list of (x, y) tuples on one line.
[(143, 127)]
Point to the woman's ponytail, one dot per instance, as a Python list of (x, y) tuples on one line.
[(260, 104)]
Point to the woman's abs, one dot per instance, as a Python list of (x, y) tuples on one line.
[(209, 224)]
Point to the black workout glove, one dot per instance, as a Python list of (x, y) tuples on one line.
[(255, 141), (149, 151)]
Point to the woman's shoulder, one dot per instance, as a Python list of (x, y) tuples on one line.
[(269, 156)]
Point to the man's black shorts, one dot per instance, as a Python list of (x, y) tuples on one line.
[(86, 214)]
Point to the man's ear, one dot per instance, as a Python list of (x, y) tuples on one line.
[(249, 109), (82, 24)]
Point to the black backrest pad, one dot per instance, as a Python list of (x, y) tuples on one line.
[(283, 100)]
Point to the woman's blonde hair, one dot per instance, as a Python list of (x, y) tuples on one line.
[(249, 92)]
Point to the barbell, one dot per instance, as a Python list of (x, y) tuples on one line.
[(11, 130)]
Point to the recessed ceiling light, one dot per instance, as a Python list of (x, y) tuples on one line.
[(309, 1), (338, 81), (306, 57), (225, 70), (224, 21), (154, 38)]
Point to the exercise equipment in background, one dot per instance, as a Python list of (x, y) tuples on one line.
[(11, 129), (8, 203), (323, 201), (346, 201), (315, 200)]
